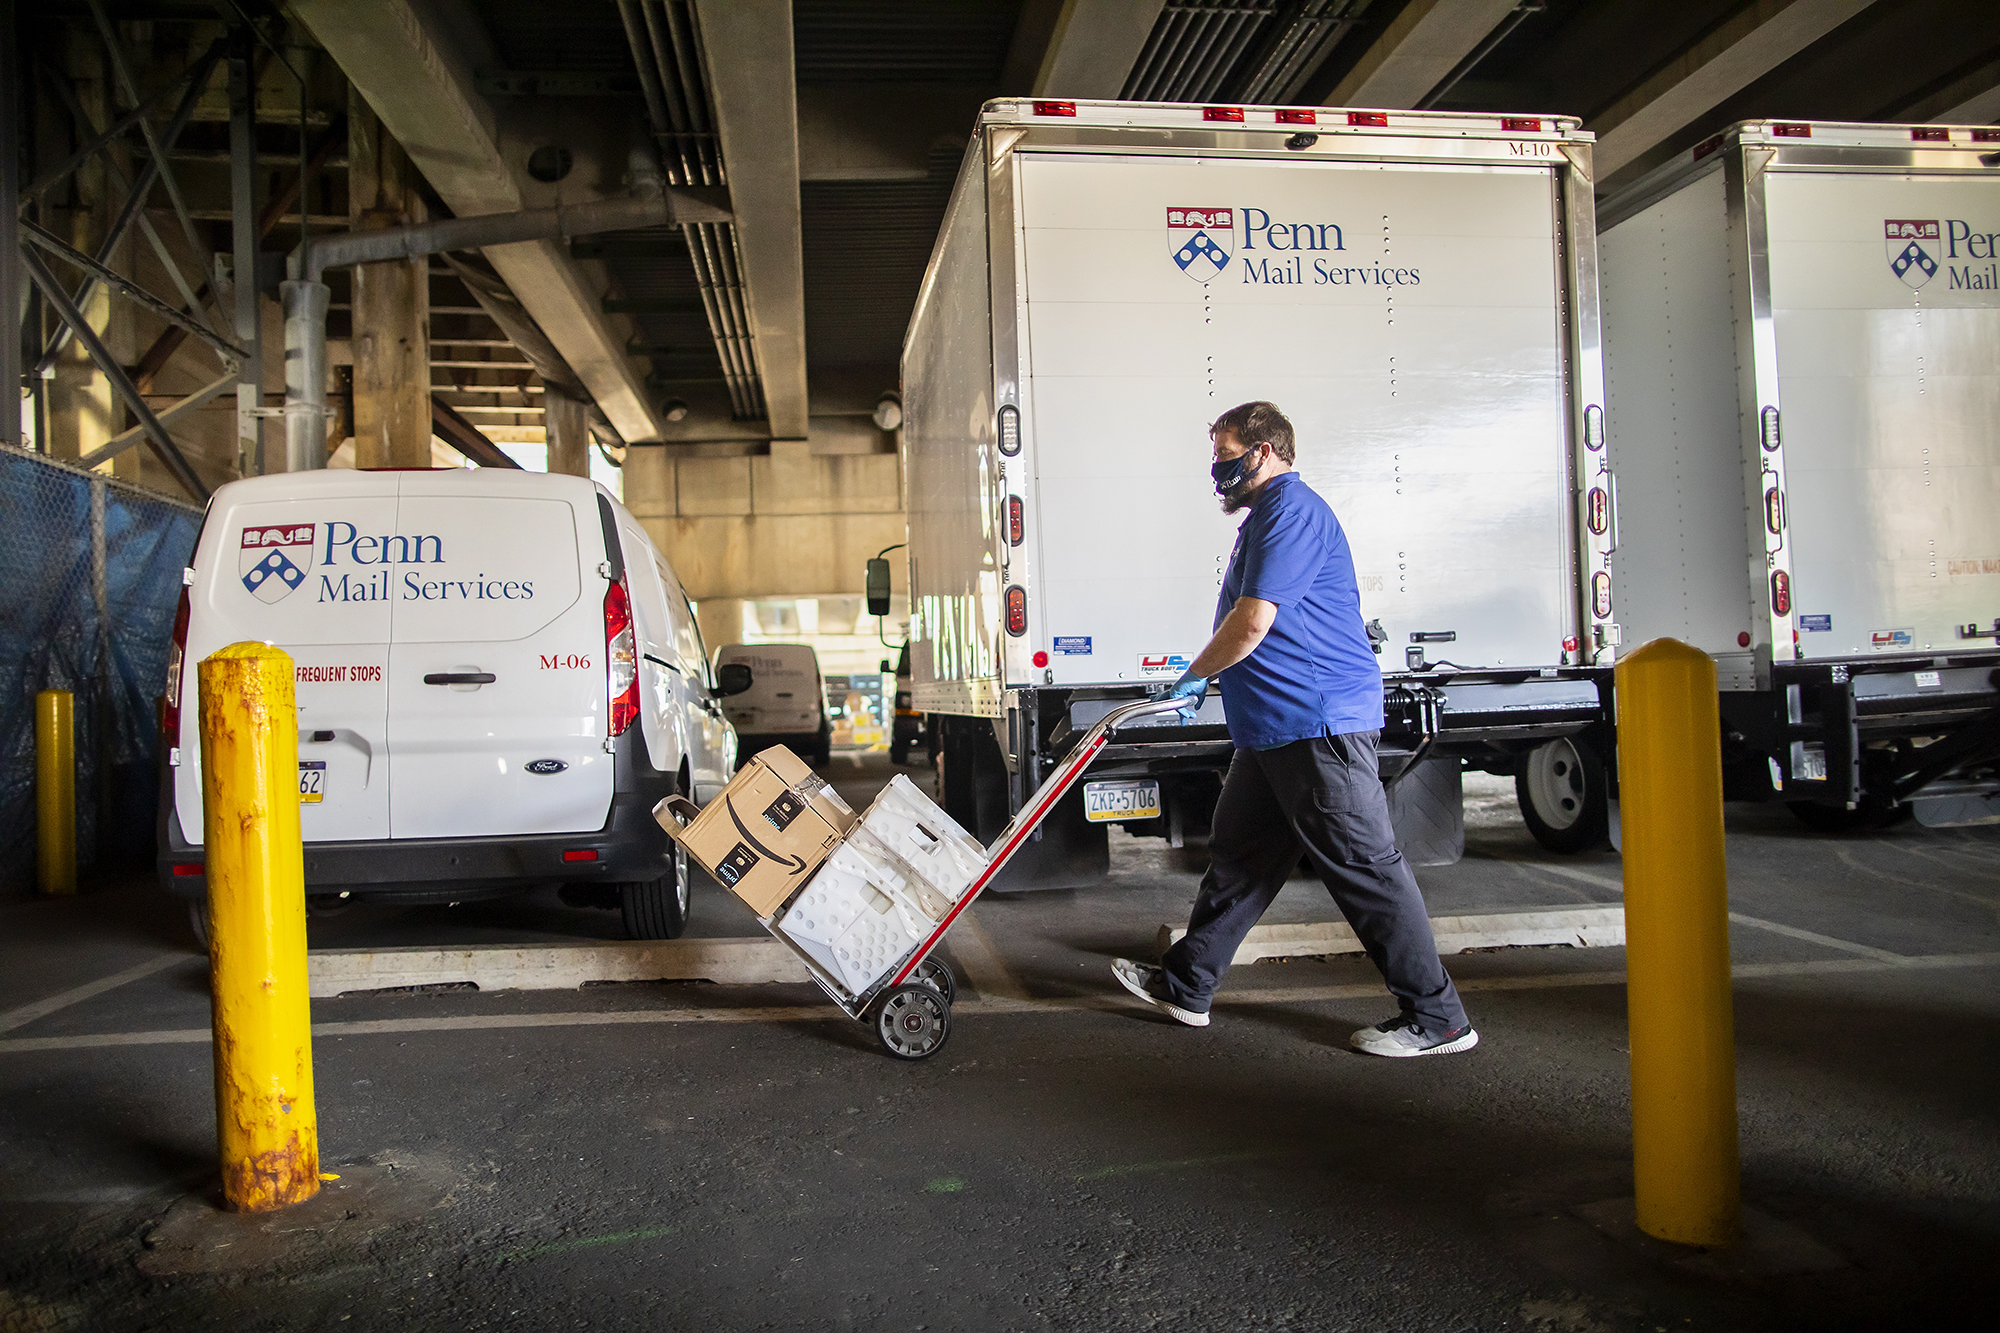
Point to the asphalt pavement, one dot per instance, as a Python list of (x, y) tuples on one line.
[(686, 1155)]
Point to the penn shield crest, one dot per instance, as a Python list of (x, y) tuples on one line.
[(274, 560), (1199, 239), (1912, 245)]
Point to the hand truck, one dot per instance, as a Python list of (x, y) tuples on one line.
[(910, 1005)]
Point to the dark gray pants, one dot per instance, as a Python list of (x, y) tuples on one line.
[(1322, 797)]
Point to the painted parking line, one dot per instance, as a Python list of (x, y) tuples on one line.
[(28, 1013), (820, 1013), (1814, 937)]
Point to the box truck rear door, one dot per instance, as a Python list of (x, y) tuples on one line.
[(497, 695)]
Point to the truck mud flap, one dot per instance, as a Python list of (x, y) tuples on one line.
[(1427, 809)]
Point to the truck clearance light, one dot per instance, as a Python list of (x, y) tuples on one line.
[(1369, 119), (1774, 510), (1986, 136), (1767, 421), (580, 854), (1927, 134), (1010, 430), (1055, 108), (1792, 131), (1015, 523), (1521, 124), (1781, 593), (1233, 113), (1297, 118), (1017, 610), (170, 711), (1600, 594), (621, 657), (1600, 510), (1707, 146)]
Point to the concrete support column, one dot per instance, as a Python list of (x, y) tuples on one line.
[(392, 355), (568, 433)]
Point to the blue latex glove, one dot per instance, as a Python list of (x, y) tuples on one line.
[(1191, 688)]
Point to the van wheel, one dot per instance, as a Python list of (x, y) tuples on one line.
[(1565, 797), (657, 909), (198, 921)]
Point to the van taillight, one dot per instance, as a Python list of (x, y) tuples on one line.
[(170, 713), (621, 657)]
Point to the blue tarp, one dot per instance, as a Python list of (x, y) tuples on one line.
[(93, 616)]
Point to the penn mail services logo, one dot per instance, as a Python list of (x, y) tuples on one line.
[(1199, 240), (1911, 245), (274, 560)]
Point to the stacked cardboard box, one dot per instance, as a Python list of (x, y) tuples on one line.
[(769, 830)]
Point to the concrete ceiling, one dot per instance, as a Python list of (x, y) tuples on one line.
[(839, 124)]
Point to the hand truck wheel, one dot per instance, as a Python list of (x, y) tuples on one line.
[(913, 1021), (936, 974)]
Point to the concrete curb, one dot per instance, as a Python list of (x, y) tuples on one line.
[(1580, 927), (737, 962)]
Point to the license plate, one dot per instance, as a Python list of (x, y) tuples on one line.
[(1105, 802), (312, 781)]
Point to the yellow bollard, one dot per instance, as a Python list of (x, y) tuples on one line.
[(266, 1125), (1684, 1142), (55, 792)]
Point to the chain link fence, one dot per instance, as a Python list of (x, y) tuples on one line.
[(90, 575)]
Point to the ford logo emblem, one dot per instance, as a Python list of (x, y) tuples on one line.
[(545, 766)]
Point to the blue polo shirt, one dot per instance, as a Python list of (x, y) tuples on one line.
[(1314, 672)]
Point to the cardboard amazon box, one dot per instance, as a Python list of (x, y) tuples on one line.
[(768, 831)]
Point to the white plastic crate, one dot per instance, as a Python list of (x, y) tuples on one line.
[(931, 847), (857, 915)]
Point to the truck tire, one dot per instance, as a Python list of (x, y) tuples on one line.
[(657, 909), (1564, 795), (899, 752)]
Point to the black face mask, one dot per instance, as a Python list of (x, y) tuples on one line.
[(1232, 473)]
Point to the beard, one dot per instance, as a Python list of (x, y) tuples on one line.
[(1236, 499)]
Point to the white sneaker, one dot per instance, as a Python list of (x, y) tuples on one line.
[(1400, 1036), (1149, 984)]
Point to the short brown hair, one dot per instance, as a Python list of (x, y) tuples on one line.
[(1258, 423)]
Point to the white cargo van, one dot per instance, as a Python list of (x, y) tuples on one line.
[(1416, 290), (786, 704), (498, 676), (1802, 335)]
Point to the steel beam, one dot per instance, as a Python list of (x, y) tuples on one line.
[(416, 68), (13, 279), (1094, 46), (748, 44), (1728, 58), (1419, 49), (119, 443), (163, 444)]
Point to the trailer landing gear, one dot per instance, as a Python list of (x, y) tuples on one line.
[(1565, 796)]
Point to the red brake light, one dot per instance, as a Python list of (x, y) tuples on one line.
[(1055, 108), (170, 710), (1521, 124), (1600, 510), (1015, 523), (1017, 611), (1376, 119), (1297, 118), (621, 657), (1222, 113), (1781, 593)]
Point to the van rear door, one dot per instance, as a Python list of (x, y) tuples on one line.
[(264, 575), (497, 702)]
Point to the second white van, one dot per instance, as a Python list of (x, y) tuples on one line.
[(786, 704), (498, 676)]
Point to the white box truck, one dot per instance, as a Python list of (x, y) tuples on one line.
[(1802, 333), (1417, 291)]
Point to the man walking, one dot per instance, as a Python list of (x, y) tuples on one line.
[(1303, 696)]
